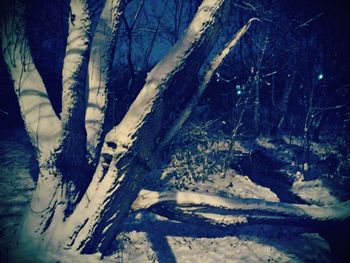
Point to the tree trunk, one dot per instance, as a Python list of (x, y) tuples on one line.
[(130, 149), (99, 79), (60, 143), (41, 122), (204, 82), (60, 214), (285, 101)]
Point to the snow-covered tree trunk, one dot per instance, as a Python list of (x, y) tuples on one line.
[(130, 149), (100, 65), (204, 82), (41, 122), (60, 142), (71, 156)]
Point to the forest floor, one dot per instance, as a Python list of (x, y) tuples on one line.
[(205, 161)]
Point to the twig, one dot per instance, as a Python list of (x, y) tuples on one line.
[(310, 20), (4, 112)]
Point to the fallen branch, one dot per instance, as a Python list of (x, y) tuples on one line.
[(198, 208)]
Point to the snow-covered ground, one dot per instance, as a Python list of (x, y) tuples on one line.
[(255, 168), (16, 184)]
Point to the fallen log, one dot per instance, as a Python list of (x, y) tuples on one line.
[(207, 209)]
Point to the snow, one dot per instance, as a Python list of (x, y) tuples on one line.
[(99, 70), (315, 192), (40, 119), (77, 42), (16, 185), (159, 76), (151, 238), (158, 241)]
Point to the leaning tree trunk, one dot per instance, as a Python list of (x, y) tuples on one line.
[(130, 149)]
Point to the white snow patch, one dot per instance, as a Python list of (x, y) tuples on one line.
[(315, 192)]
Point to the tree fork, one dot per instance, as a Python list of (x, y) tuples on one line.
[(135, 140)]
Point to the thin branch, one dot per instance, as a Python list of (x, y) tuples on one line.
[(317, 111), (4, 112), (310, 20), (136, 17)]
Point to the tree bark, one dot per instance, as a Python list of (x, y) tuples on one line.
[(130, 149), (71, 156), (213, 210), (41, 122), (100, 65)]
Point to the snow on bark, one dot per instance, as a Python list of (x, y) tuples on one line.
[(45, 207), (72, 152), (41, 122), (130, 149), (209, 209), (101, 60), (205, 80)]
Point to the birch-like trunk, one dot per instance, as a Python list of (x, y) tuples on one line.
[(41, 122), (72, 155), (100, 65)]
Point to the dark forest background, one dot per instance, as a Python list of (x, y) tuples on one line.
[(289, 75)]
